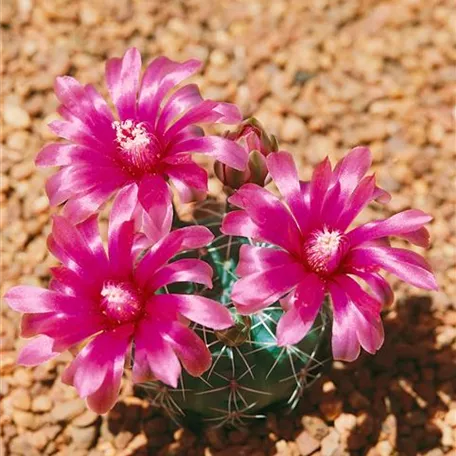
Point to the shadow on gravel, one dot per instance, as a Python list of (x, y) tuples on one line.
[(396, 401), (392, 403)]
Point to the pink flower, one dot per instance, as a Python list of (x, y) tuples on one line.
[(112, 300), (314, 254), (258, 145), (150, 143)]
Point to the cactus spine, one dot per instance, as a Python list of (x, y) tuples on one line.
[(249, 372)]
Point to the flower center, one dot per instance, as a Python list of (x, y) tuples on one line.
[(121, 302), (139, 149), (324, 250)]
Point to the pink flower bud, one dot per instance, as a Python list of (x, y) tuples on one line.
[(259, 145)]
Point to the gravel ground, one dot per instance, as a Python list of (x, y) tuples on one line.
[(324, 75)]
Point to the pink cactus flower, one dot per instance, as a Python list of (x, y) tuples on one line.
[(111, 300), (314, 253), (150, 142)]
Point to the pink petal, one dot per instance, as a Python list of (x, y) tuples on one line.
[(38, 351), (318, 189), (351, 169), (178, 103), (155, 197), (298, 320), (97, 370), (177, 241), (160, 77), (345, 344), (379, 286), (397, 225), (187, 178), (408, 266), (121, 231), (30, 299), (185, 270), (89, 232), (356, 202), (66, 329), (68, 238), (67, 282), (199, 309), (191, 350), (77, 132), (256, 291), (254, 259), (122, 77), (154, 356), (238, 223), (85, 104), (265, 210), (62, 154), (206, 112), (81, 206), (418, 237), (283, 171), (221, 149)]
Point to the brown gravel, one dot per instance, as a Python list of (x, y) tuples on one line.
[(322, 75)]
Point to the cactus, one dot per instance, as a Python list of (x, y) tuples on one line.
[(249, 372)]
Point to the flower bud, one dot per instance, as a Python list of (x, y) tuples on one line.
[(259, 145)]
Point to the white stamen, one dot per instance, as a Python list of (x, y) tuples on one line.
[(131, 136)]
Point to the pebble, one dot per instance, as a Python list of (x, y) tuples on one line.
[(16, 117), (315, 426), (83, 438), (21, 399), (306, 443), (293, 129), (65, 411), (86, 419)]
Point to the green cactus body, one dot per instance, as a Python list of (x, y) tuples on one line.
[(249, 372)]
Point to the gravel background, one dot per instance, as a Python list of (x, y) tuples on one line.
[(324, 75)]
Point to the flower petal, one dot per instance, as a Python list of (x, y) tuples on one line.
[(254, 259), (283, 171), (401, 223), (407, 265), (345, 344), (154, 356), (191, 237), (199, 309), (122, 77), (379, 286), (265, 210), (221, 149), (191, 350), (161, 75), (38, 351), (297, 321), (97, 371), (256, 291), (155, 197), (30, 299), (184, 270)]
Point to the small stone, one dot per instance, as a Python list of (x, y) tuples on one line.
[(122, 439), (86, 419), (83, 438), (21, 399), (88, 15), (384, 448), (42, 403), (15, 116), (24, 419), (23, 170), (315, 426), (345, 423), (293, 129), (330, 444), (66, 411), (306, 443)]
